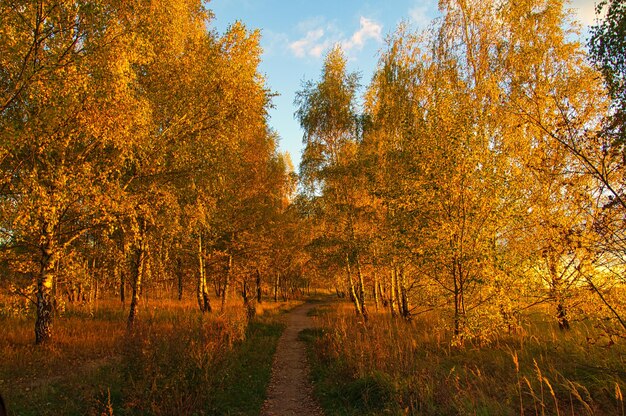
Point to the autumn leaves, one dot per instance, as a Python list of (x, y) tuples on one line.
[(129, 133), (470, 184), (478, 179)]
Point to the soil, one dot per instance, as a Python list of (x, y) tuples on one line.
[(290, 391)]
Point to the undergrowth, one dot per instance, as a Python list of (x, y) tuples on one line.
[(176, 361), (389, 366)]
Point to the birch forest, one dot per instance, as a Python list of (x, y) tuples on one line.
[(457, 223)]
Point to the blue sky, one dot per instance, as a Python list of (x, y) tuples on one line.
[(297, 33)]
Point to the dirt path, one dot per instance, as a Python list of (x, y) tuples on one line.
[(290, 391)]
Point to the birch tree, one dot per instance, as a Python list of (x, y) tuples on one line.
[(327, 113)]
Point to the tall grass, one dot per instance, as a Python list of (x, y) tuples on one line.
[(416, 368), (176, 361)]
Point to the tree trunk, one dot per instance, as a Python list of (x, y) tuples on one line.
[(376, 290), (93, 287), (459, 308), (404, 300), (276, 284), (55, 288), (217, 285), (383, 295), (557, 297), (457, 312), (123, 287), (392, 293), (179, 275), (203, 296), (227, 281), (258, 286), (361, 288), (137, 272), (353, 295), (45, 283), (561, 315)]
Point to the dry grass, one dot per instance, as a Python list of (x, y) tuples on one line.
[(168, 365), (417, 368)]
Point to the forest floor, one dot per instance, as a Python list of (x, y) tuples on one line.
[(290, 391), (213, 364), (390, 366)]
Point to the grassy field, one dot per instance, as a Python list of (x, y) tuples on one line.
[(177, 361), (390, 366), (181, 362)]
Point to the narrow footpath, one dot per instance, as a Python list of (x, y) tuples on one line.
[(290, 391)]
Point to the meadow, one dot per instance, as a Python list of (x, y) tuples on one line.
[(391, 366), (176, 360), (179, 361)]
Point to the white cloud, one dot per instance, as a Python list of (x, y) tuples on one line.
[(317, 50), (273, 42), (311, 23), (369, 29), (422, 13), (308, 44), (320, 36), (419, 16)]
